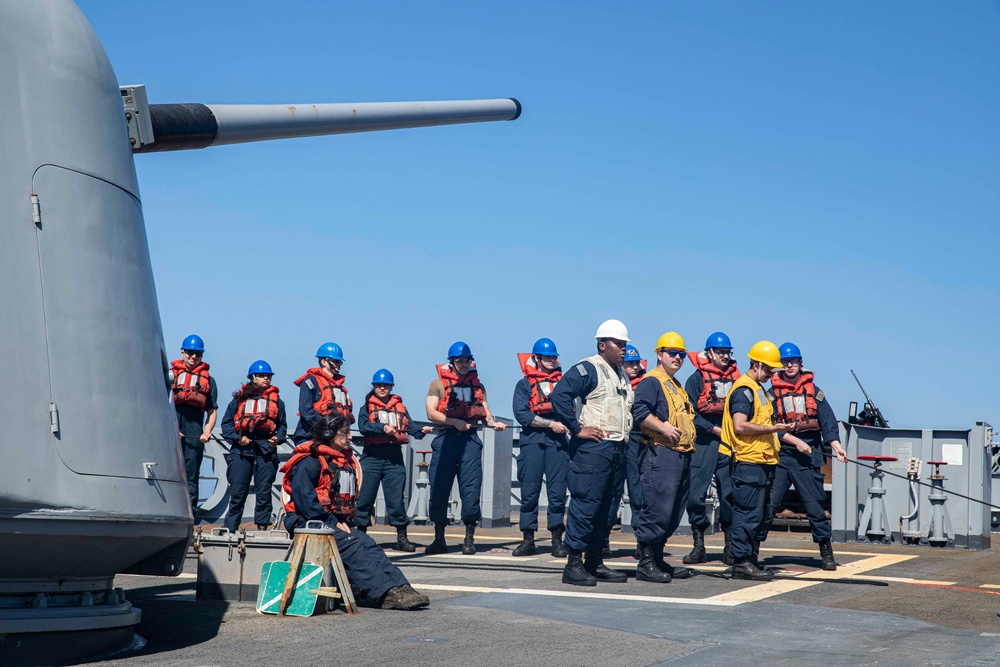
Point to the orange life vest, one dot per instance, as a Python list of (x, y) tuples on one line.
[(541, 383), (191, 387), (392, 413), (796, 401), (338, 483), (332, 394), (640, 376), (715, 383), (258, 414), (463, 397)]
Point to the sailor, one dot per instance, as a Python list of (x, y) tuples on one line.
[(635, 368), (254, 424), (801, 403), (715, 372), (322, 391), (597, 448), (543, 446), (196, 400), (321, 484), (456, 403), (750, 436), (666, 417), (386, 428)]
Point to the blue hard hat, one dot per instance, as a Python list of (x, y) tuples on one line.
[(459, 349), (632, 354), (383, 376), (718, 339), (330, 351), (789, 351), (260, 367), (545, 346), (193, 342)]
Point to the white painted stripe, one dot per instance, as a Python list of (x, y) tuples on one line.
[(182, 575), (908, 580), (990, 586), (577, 594), (302, 582)]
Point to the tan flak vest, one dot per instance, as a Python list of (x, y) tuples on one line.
[(681, 413), (609, 406)]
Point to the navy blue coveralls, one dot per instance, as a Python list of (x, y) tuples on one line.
[(706, 462), (629, 474), (369, 570), (190, 424), (592, 465), (663, 471), (258, 460), (456, 453), (383, 464), (309, 393), (751, 490), (803, 470), (543, 452)]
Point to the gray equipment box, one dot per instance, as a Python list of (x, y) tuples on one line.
[(229, 564)]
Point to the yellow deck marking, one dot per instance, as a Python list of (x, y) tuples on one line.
[(456, 536), (989, 585), (576, 594), (807, 579), (459, 558)]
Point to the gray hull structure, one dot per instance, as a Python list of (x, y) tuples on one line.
[(93, 480)]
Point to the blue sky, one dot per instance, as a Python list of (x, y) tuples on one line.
[(825, 174)]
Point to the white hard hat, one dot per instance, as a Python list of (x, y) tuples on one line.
[(613, 329)]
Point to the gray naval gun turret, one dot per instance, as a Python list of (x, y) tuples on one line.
[(92, 482)]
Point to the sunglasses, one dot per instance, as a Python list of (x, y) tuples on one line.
[(675, 353), (193, 353)]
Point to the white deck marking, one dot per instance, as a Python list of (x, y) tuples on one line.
[(577, 594)]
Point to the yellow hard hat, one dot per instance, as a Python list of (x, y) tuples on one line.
[(766, 353), (670, 341)]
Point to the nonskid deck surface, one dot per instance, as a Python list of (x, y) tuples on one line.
[(884, 605)]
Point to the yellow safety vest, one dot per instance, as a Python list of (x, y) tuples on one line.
[(681, 413), (751, 448)]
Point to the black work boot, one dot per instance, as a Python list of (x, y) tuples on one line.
[(647, 569), (527, 546), (558, 550), (698, 554), (469, 545), (755, 559), (606, 551), (826, 555), (674, 572), (595, 565), (438, 546), (747, 569), (404, 597), (261, 526), (403, 542), (727, 549), (574, 572)]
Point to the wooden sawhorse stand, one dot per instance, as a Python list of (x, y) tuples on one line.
[(317, 544)]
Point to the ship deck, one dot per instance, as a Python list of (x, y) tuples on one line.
[(885, 605)]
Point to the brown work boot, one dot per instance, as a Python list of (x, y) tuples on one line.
[(404, 597)]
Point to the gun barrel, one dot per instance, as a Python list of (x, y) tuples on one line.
[(190, 126)]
